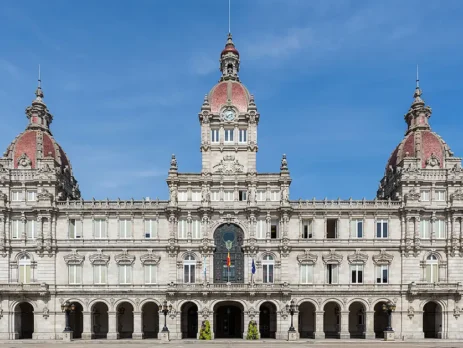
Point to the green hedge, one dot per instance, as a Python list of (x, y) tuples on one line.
[(205, 332)]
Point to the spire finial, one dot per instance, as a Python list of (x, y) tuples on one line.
[(417, 77), (40, 80), (229, 16)]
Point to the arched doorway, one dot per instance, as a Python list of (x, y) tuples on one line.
[(267, 320), (228, 238), (380, 320), (189, 320), (357, 320), (307, 320), (332, 320), (228, 320), (432, 320), (150, 320), (24, 320), (124, 315), (99, 320), (76, 320)]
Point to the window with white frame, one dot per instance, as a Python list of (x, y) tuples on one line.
[(150, 273), (125, 274), (151, 228), (425, 230), (261, 229), (196, 229), (100, 274), (306, 271), (228, 195), (274, 229), (215, 136), (382, 229), (189, 269), (182, 196), (439, 229), (75, 228), (243, 136), (242, 195), (228, 135), (182, 228), (196, 196), (16, 195), (99, 229), (382, 274), (125, 228), (31, 195), (274, 195), (16, 228), (75, 273), (268, 265), (356, 228), (215, 195), (432, 269), (31, 229), (24, 270), (332, 273), (425, 195), (261, 195), (356, 272), (307, 229), (440, 195)]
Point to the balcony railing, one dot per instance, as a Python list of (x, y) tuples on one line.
[(19, 288), (434, 288)]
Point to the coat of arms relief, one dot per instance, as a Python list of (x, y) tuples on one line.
[(228, 165)]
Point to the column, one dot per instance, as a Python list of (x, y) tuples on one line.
[(87, 329), (112, 331), (319, 330), (137, 332), (369, 325), (344, 325)]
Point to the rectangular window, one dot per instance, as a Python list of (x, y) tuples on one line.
[(306, 274), (16, 228), (228, 195), (99, 229), (125, 274), (243, 136), (125, 228), (196, 229), (331, 228), (356, 272), (215, 196), (268, 273), (150, 274), (16, 195), (182, 229), (75, 274), (151, 228), (215, 136), (432, 272), (274, 195), (242, 195), (261, 195), (356, 228), (261, 229), (424, 228), (274, 229), (24, 273), (196, 196), (31, 229), (381, 229), (439, 229), (100, 274), (425, 195), (229, 135), (189, 273), (31, 195), (182, 196), (307, 232), (75, 229), (440, 195), (382, 274), (332, 274)]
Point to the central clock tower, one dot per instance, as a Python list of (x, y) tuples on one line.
[(229, 120)]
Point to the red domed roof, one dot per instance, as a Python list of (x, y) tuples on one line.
[(230, 48), (231, 90)]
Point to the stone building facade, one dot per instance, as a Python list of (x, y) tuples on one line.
[(339, 260)]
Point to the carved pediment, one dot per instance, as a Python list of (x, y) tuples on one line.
[(228, 165), (383, 258), (74, 258), (99, 258), (433, 161), (357, 257), (44, 195), (150, 258), (124, 258), (24, 162), (332, 258), (412, 196), (307, 258), (457, 195)]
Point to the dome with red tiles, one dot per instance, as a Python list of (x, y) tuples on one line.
[(233, 92)]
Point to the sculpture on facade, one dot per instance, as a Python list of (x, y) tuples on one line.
[(205, 194), (173, 195)]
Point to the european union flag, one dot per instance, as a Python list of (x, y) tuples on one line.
[(253, 267)]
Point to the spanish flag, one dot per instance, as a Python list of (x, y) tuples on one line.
[(228, 260)]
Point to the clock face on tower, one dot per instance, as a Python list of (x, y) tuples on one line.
[(228, 114)]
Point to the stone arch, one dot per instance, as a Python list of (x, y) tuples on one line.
[(305, 299), (275, 303), (437, 254), (433, 319), (332, 318), (182, 302), (338, 302), (183, 255), (268, 319), (307, 318), (74, 300), (215, 225), (261, 255), (100, 319), (380, 318), (24, 323), (97, 300), (228, 319), (24, 253), (229, 240), (147, 300), (379, 300), (118, 302), (125, 318), (189, 315), (150, 319), (438, 301), (241, 302), (365, 303), (14, 303), (76, 319), (356, 320)]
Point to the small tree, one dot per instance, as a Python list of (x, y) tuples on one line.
[(253, 334), (205, 332)]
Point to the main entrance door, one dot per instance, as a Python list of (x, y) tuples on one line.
[(228, 239), (228, 320)]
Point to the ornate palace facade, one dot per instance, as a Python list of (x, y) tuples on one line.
[(340, 261)]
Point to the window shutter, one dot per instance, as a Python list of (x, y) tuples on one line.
[(78, 270), (96, 274), (79, 229), (335, 274), (121, 274), (353, 230), (435, 273), (428, 273), (30, 229), (28, 274), (309, 274), (22, 274), (147, 274), (71, 274)]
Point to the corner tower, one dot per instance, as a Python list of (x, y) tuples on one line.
[(229, 120)]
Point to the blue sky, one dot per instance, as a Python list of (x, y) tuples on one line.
[(332, 80)]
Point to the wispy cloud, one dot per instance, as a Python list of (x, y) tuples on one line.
[(13, 70)]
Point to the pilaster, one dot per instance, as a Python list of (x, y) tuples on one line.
[(319, 329), (137, 332), (87, 329), (369, 325), (344, 334), (112, 331)]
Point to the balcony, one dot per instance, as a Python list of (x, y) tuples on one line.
[(415, 289), (227, 289), (26, 289)]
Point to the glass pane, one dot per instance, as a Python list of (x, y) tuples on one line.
[(192, 273), (335, 274), (385, 275), (353, 275), (360, 276), (186, 274), (303, 274), (265, 274), (428, 273), (435, 278), (385, 230), (271, 273), (360, 229), (22, 273), (27, 276)]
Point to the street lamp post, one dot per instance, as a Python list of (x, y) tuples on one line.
[(388, 308), (165, 310), (67, 307), (291, 309)]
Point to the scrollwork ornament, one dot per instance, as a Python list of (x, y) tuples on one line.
[(456, 312), (411, 312)]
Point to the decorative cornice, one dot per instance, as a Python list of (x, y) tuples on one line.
[(357, 257), (99, 258), (74, 258), (124, 258), (383, 258), (307, 258), (150, 258), (332, 257)]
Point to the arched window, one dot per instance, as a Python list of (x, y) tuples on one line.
[(24, 269), (268, 264), (432, 269), (189, 269)]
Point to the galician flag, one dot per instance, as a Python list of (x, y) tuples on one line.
[(228, 260), (253, 270)]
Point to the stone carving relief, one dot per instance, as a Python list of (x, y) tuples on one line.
[(357, 257), (456, 312), (432, 161), (228, 165), (383, 258), (252, 195), (411, 312), (124, 258), (252, 313), (74, 258), (307, 258), (332, 257), (205, 313), (173, 195), (205, 194), (284, 199), (150, 258), (457, 195), (99, 258), (46, 312), (24, 162), (412, 196), (44, 195), (3, 169)]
